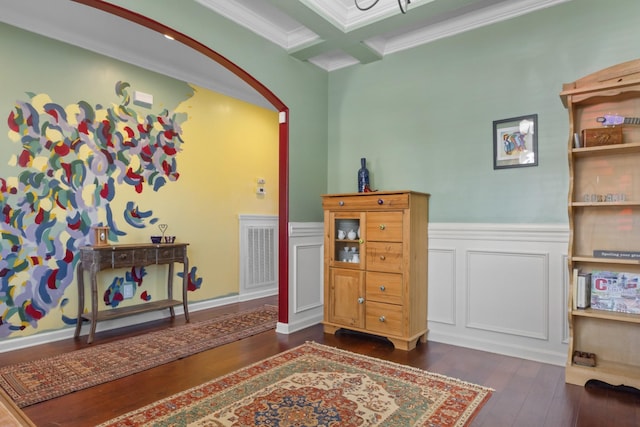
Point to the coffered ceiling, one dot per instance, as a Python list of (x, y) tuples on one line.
[(334, 34)]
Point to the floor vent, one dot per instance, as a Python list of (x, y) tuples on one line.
[(258, 255)]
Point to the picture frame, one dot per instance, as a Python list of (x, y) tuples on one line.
[(515, 142)]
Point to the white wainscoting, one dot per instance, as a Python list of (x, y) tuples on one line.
[(306, 276), (500, 288), (497, 288)]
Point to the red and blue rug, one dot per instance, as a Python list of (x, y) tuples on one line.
[(39, 380), (316, 385)]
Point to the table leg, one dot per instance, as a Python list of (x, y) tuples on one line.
[(172, 311), (94, 305), (185, 287), (80, 276)]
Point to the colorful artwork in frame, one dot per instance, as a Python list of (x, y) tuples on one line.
[(515, 142)]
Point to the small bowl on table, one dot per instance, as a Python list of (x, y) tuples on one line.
[(156, 239), (169, 239)]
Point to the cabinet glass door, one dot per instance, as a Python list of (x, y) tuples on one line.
[(348, 241)]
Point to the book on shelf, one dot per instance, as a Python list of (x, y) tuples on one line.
[(574, 289), (601, 253), (583, 291)]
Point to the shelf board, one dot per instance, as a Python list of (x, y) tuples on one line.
[(610, 372), (595, 260), (630, 147), (134, 309), (607, 315), (604, 204)]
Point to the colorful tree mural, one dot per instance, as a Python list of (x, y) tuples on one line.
[(72, 162)]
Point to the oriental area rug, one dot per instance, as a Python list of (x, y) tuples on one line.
[(316, 385), (39, 380)]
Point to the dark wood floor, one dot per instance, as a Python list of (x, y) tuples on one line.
[(527, 393)]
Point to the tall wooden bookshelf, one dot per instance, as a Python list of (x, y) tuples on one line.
[(604, 215)]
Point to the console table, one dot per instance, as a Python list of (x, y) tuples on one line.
[(96, 258)]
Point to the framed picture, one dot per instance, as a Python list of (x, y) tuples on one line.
[(515, 142)]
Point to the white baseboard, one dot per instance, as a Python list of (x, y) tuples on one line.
[(298, 325), (107, 325)]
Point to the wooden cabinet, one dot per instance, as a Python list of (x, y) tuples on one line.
[(604, 215), (375, 264)]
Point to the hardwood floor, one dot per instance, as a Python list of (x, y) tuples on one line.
[(526, 393)]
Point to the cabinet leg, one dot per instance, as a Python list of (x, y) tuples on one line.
[(330, 329), (423, 338), (406, 345)]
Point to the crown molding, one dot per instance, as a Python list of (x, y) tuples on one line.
[(274, 26)]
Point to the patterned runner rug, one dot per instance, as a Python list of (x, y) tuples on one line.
[(316, 385), (32, 382)]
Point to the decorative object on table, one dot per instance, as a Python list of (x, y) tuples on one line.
[(50, 377), (163, 229), (319, 385), (156, 239), (101, 236), (363, 176), (515, 142)]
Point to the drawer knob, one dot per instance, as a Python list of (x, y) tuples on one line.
[(380, 201), (341, 203), (382, 288), (382, 226), (360, 300), (123, 256), (382, 319), (382, 257)]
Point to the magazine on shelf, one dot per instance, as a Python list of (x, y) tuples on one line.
[(615, 291)]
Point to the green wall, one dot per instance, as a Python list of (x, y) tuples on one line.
[(300, 85), (423, 117)]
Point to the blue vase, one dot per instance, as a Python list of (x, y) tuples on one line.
[(363, 176)]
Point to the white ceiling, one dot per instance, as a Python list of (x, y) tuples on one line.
[(334, 34), (331, 34)]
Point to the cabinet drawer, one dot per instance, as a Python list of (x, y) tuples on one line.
[(150, 255), (123, 258), (384, 226), (384, 256), (366, 202), (103, 259), (385, 319), (166, 254), (384, 287)]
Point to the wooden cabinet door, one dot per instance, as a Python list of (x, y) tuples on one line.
[(346, 297)]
